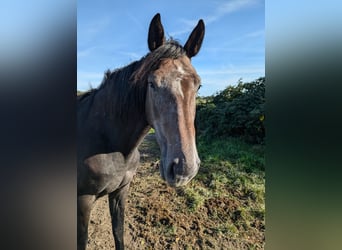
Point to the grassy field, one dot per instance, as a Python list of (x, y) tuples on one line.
[(223, 207), (231, 185)]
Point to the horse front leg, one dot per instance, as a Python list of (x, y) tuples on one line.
[(117, 200), (84, 205)]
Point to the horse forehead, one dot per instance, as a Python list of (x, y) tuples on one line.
[(175, 67)]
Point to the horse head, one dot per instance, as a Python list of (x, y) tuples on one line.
[(171, 102)]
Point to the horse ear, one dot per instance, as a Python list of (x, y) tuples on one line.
[(193, 45), (155, 33)]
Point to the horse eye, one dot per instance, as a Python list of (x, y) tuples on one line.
[(151, 85)]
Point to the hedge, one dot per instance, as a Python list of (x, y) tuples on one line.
[(237, 111)]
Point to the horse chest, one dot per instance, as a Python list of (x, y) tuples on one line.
[(109, 172)]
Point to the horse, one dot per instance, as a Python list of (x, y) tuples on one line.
[(158, 91)]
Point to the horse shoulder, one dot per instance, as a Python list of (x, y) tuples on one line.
[(109, 172)]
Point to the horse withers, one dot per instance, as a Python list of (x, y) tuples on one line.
[(158, 91)]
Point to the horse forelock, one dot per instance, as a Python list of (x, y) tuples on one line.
[(151, 62)]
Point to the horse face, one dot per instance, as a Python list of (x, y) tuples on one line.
[(170, 109), (171, 105)]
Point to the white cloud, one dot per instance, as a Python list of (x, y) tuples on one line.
[(131, 55), (232, 70), (233, 6), (97, 25), (221, 10), (85, 52), (138, 23), (214, 80), (256, 33), (229, 7)]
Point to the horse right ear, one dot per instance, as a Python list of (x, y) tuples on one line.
[(156, 33), (194, 43)]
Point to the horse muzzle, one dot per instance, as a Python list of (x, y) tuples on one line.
[(178, 173)]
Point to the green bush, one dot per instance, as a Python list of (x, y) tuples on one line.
[(237, 111)]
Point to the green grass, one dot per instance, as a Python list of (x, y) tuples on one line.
[(233, 170), (235, 151), (195, 196), (225, 202), (232, 173)]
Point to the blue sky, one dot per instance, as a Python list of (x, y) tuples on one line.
[(112, 34)]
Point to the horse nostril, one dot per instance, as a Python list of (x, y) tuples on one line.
[(172, 170)]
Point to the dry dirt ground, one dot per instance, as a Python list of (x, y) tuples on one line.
[(158, 217)]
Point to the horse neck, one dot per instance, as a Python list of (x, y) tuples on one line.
[(123, 131)]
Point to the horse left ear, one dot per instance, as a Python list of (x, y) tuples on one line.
[(155, 33), (193, 45)]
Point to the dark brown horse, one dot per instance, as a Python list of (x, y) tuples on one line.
[(157, 91)]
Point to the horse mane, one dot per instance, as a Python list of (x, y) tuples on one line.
[(126, 87)]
